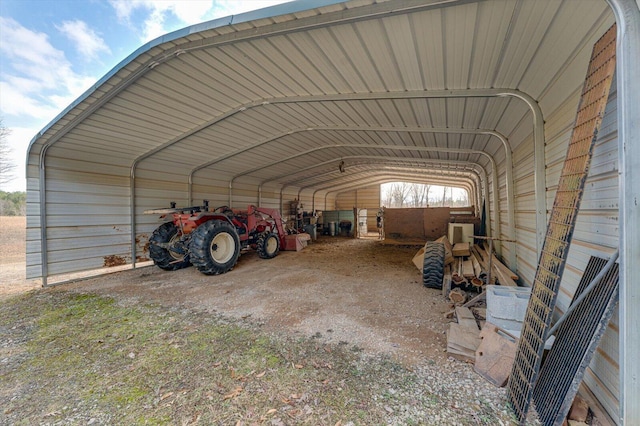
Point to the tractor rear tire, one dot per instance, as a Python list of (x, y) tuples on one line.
[(214, 247), (162, 257), (433, 266), (268, 245)]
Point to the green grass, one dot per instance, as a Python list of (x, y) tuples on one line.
[(71, 358)]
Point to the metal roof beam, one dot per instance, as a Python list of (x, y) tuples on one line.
[(464, 183), (496, 209), (467, 187), (627, 13), (538, 136), (395, 176)]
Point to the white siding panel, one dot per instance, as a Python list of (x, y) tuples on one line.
[(362, 198)]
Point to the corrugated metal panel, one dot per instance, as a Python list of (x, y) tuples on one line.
[(362, 198)]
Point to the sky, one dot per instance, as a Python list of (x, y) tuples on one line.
[(51, 51)]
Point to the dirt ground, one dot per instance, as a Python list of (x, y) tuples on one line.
[(12, 255), (363, 292)]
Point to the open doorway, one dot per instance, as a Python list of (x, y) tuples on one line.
[(420, 211)]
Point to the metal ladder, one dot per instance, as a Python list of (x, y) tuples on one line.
[(561, 224)]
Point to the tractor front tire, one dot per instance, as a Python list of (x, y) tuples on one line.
[(214, 247), (433, 266), (164, 258), (268, 245)]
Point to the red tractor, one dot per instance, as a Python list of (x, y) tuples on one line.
[(212, 240)]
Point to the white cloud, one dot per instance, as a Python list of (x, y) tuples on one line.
[(235, 7), (85, 39), (36, 84), (37, 81), (188, 12)]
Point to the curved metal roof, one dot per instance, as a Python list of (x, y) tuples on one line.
[(260, 96)]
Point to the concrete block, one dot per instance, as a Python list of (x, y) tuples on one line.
[(507, 306)]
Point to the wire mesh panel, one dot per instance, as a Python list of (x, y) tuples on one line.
[(576, 340), (561, 224)]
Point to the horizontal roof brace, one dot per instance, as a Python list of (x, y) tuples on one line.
[(467, 186), (321, 185), (386, 129), (394, 176)]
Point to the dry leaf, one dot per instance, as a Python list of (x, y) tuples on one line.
[(165, 396), (295, 396), (237, 391), (298, 366), (271, 411), (339, 423), (217, 364), (261, 374)]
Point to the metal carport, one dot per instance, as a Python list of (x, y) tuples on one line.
[(261, 107)]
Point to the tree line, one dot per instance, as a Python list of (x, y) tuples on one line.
[(13, 203)]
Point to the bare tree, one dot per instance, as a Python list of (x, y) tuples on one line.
[(420, 194), (399, 192), (427, 189), (7, 167), (387, 199)]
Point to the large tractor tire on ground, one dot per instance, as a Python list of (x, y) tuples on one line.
[(268, 245), (164, 258), (433, 266), (214, 247)]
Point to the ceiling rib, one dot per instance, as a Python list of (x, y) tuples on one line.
[(387, 159), (387, 177), (394, 148), (538, 134), (406, 173)]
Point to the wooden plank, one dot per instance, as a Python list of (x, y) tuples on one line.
[(503, 278), (467, 269), (477, 270), (462, 342), (461, 249), (446, 281), (503, 268), (466, 318), (495, 355), (448, 250)]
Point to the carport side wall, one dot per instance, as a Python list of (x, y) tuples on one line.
[(87, 210), (596, 232), (363, 198)]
